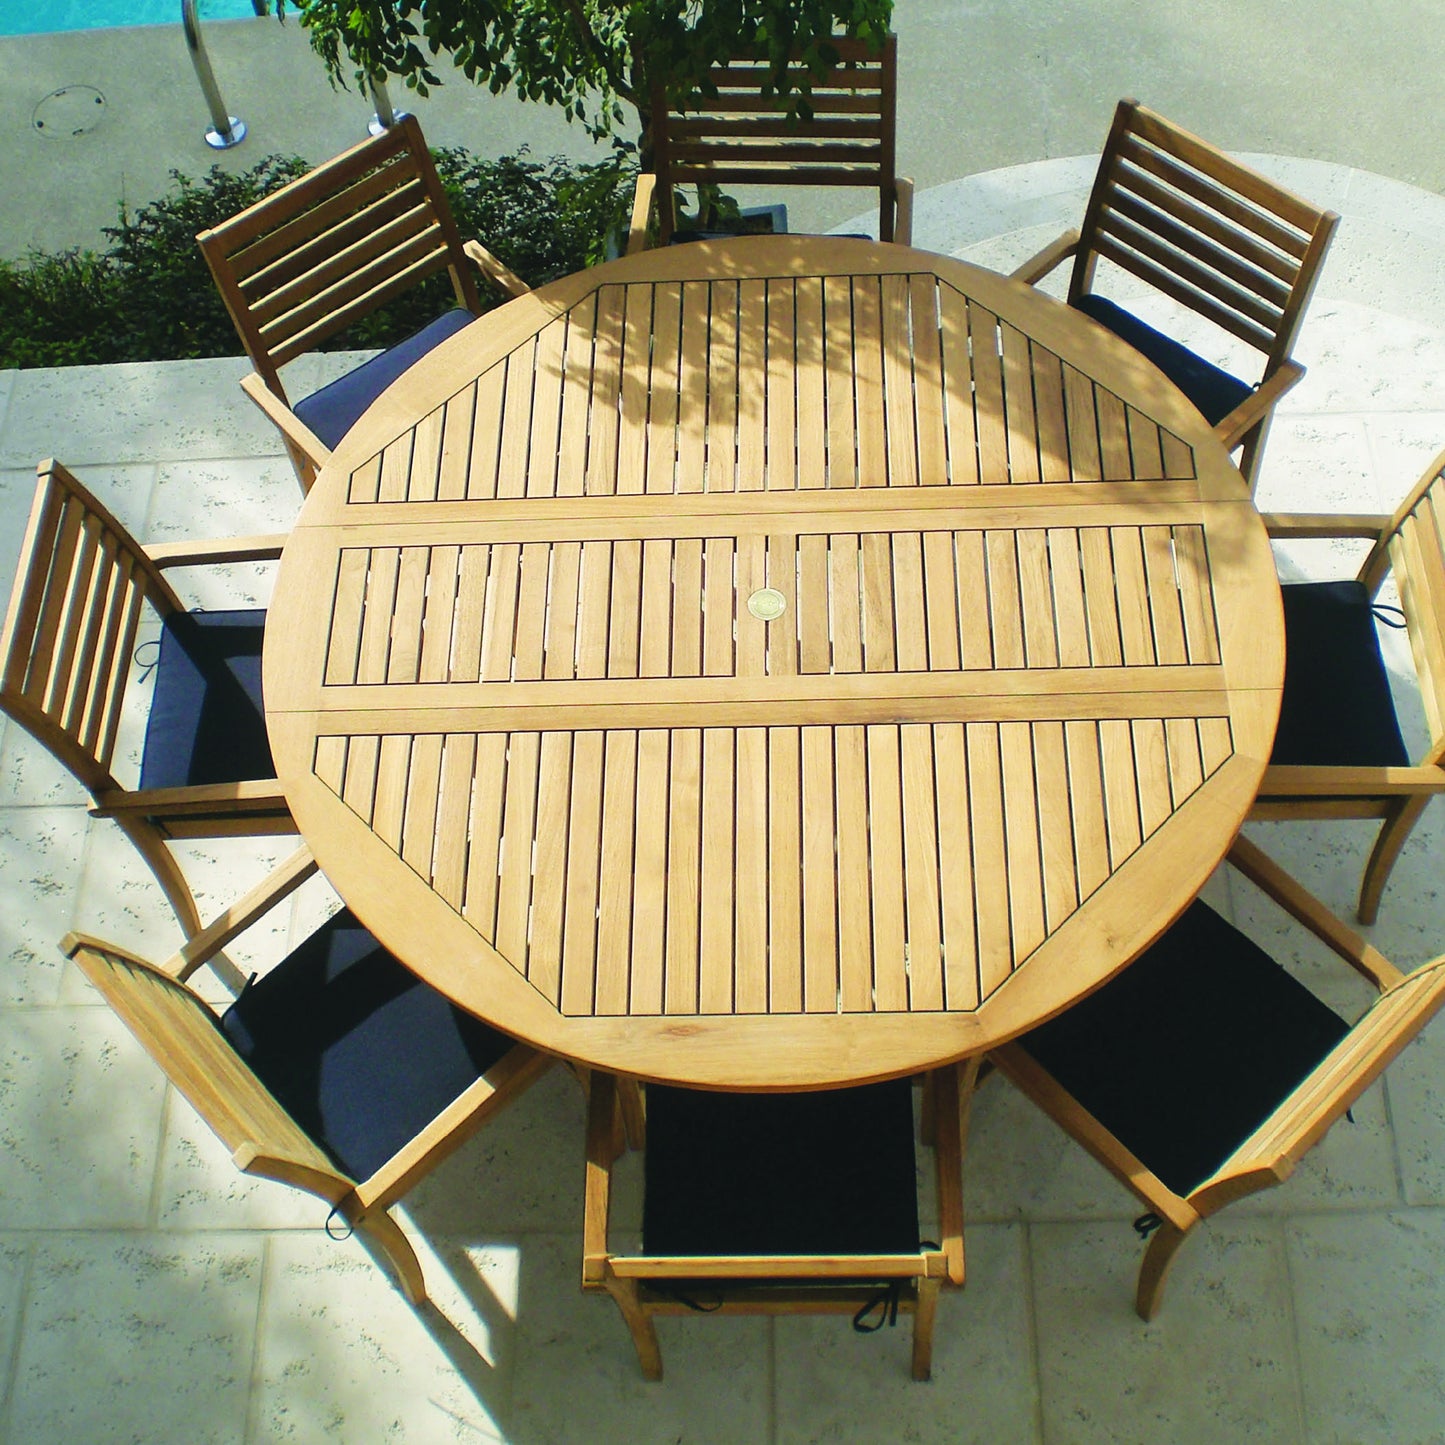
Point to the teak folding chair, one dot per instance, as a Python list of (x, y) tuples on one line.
[(1221, 239), (65, 657), (1205, 1072), (320, 253), (337, 1072), (734, 133), (1338, 752), (780, 1203)]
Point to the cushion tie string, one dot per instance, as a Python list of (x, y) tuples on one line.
[(1389, 616), (330, 1226), (885, 1302), (1146, 1224)]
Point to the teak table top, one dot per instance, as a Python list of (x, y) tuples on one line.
[(1019, 697)]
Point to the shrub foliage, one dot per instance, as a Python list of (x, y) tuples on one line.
[(149, 297)]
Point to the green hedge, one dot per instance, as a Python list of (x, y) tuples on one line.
[(149, 297)]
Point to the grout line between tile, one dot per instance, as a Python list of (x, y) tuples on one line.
[(12, 1365), (252, 1430), (1031, 1313), (1301, 1403)]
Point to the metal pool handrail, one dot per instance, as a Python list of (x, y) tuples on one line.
[(226, 130)]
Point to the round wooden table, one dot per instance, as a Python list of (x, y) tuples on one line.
[(774, 664)]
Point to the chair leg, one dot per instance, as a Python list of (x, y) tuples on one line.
[(386, 1234), (168, 873), (1158, 1257), (924, 1316), (1253, 449), (639, 1322), (1393, 833)]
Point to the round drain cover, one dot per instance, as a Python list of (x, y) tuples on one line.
[(68, 112), (767, 604)]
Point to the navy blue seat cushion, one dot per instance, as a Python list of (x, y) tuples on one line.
[(747, 1174), (334, 410), (206, 722), (1214, 392), (776, 215), (359, 1051), (1337, 709), (1184, 1054)]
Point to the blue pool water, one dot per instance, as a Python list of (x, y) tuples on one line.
[(38, 17)]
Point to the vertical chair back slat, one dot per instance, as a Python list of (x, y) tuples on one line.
[(179, 1031), (72, 624)]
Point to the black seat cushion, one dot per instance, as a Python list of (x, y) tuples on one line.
[(1184, 1054), (334, 410), (1214, 392), (1337, 710), (359, 1051), (207, 724), (748, 1174)]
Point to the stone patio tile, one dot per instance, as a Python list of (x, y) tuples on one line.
[(1018, 1164), (1415, 1085), (522, 1171), (577, 1381), (80, 1120), (1402, 447), (1218, 1362), (41, 859), (830, 1379), (136, 412), (341, 1356), (1369, 1302), (200, 1188), (137, 1337)]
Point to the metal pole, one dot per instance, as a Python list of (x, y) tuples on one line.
[(226, 131), (385, 116)]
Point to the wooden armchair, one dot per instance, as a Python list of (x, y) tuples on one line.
[(320, 253), (338, 1072), (740, 135), (779, 1203), (1338, 752), (1205, 1072), (65, 659), (1244, 253)]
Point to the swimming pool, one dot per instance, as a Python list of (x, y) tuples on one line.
[(43, 16)]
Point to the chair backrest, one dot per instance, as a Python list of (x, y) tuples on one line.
[(71, 627), (315, 256), (743, 135), (1413, 547), (1394, 1019), (1205, 230), (179, 1031)]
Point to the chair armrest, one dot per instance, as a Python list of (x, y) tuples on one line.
[(1037, 267), (1258, 404), (1284, 780), (253, 795), (903, 210), (494, 270), (1275, 883), (280, 883), (640, 222), (286, 421), (1285, 525), (198, 553), (518, 1069)]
